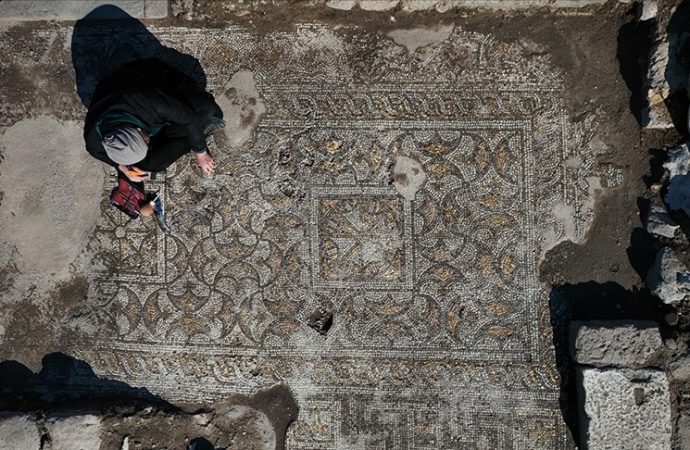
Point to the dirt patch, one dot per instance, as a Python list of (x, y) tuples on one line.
[(48, 206), (66, 390), (32, 92), (228, 426), (252, 422), (242, 107), (68, 296), (27, 336)]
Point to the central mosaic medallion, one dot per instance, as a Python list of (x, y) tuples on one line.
[(441, 331), (362, 238)]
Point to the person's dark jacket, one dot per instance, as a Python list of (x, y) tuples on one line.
[(152, 92)]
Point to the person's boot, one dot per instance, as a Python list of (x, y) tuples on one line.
[(200, 444)]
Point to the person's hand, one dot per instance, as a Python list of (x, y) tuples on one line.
[(146, 210), (205, 162), (134, 174)]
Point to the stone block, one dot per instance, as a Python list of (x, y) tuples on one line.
[(81, 432), (615, 343), (666, 76), (378, 5), (344, 5), (19, 432), (669, 279), (417, 5), (27, 10), (660, 224), (624, 409)]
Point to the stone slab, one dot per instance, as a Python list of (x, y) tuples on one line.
[(615, 343), (19, 432), (656, 115), (28, 10), (82, 432), (666, 74), (624, 409), (648, 10), (344, 5), (378, 5)]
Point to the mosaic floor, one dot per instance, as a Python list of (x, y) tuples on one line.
[(440, 334)]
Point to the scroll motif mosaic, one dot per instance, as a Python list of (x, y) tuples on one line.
[(439, 330)]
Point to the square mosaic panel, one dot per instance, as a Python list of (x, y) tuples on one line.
[(361, 238)]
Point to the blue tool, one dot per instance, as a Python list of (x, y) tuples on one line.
[(159, 211)]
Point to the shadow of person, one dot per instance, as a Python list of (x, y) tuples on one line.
[(63, 381), (108, 38), (13, 377), (200, 443)]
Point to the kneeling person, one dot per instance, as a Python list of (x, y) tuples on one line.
[(145, 116)]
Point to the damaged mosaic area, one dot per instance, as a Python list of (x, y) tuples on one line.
[(398, 323)]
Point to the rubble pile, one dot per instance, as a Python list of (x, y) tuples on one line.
[(52, 414), (633, 376), (630, 380)]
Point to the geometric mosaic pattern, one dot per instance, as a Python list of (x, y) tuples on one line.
[(441, 334)]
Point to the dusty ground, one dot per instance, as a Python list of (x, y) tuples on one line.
[(50, 293)]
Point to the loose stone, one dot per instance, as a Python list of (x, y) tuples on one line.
[(678, 165), (669, 279), (615, 343), (660, 223)]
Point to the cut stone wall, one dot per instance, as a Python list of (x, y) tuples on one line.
[(625, 402)]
